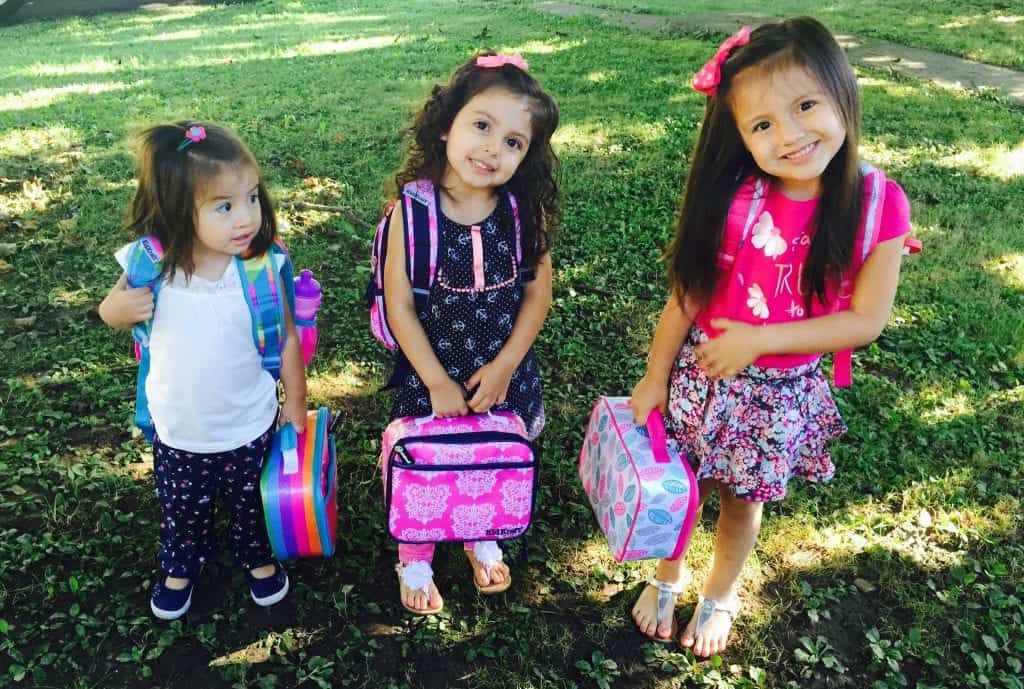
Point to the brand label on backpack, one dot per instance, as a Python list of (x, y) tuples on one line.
[(151, 252)]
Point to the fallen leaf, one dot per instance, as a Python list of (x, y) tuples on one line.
[(33, 189), (924, 519), (864, 585)]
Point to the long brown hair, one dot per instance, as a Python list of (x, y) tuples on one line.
[(721, 163), (533, 183), (164, 202)]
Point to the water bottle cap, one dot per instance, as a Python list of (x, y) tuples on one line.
[(306, 286)]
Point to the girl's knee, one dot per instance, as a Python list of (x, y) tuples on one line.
[(740, 511)]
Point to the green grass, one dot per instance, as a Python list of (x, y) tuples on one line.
[(909, 565), (989, 31)]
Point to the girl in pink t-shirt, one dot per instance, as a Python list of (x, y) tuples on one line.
[(787, 246)]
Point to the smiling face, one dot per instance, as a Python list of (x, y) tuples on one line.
[(227, 212), (789, 124), (487, 141)]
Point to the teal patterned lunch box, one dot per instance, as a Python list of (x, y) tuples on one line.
[(642, 489)]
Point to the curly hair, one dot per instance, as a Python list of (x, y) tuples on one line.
[(533, 184), (168, 177)]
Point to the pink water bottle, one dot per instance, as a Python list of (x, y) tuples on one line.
[(307, 301)]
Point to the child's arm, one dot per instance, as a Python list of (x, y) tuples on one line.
[(740, 344), (491, 380), (447, 397), (652, 390), (125, 306), (293, 377)]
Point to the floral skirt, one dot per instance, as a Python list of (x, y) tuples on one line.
[(756, 430)]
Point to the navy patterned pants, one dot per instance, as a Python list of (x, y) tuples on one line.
[(187, 486)]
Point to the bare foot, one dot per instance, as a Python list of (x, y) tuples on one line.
[(424, 599), (714, 617)]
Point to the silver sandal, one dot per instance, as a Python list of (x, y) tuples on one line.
[(667, 596), (707, 607)]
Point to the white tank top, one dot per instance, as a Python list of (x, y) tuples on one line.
[(207, 388)]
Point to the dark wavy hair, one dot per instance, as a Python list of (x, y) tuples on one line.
[(721, 163), (164, 202), (533, 183)]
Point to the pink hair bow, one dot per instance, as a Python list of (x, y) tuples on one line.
[(707, 79), (491, 61)]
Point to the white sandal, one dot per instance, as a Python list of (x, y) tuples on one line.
[(417, 576), (487, 554)]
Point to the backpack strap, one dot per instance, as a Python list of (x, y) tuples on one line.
[(754, 193), (525, 275), (266, 289), (867, 238), (422, 237), (143, 269), (375, 288)]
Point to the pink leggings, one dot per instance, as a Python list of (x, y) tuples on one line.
[(407, 552)]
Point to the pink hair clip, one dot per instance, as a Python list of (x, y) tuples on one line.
[(491, 61), (192, 135), (707, 79)]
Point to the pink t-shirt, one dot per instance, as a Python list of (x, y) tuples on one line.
[(769, 289)]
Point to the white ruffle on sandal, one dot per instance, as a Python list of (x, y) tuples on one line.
[(485, 555), (417, 576)]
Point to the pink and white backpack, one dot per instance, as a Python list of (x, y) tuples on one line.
[(465, 478)]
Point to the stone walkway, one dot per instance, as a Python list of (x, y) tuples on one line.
[(941, 69)]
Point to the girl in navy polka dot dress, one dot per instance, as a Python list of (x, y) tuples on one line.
[(484, 142)]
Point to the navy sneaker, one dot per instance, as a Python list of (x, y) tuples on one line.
[(269, 590), (170, 604)]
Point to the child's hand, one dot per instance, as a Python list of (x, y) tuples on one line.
[(125, 306), (448, 398), (491, 384), (293, 412), (735, 348), (649, 394)]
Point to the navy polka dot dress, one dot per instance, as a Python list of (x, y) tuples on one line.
[(470, 312)]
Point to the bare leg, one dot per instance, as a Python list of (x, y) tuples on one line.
[(739, 523), (672, 572)]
